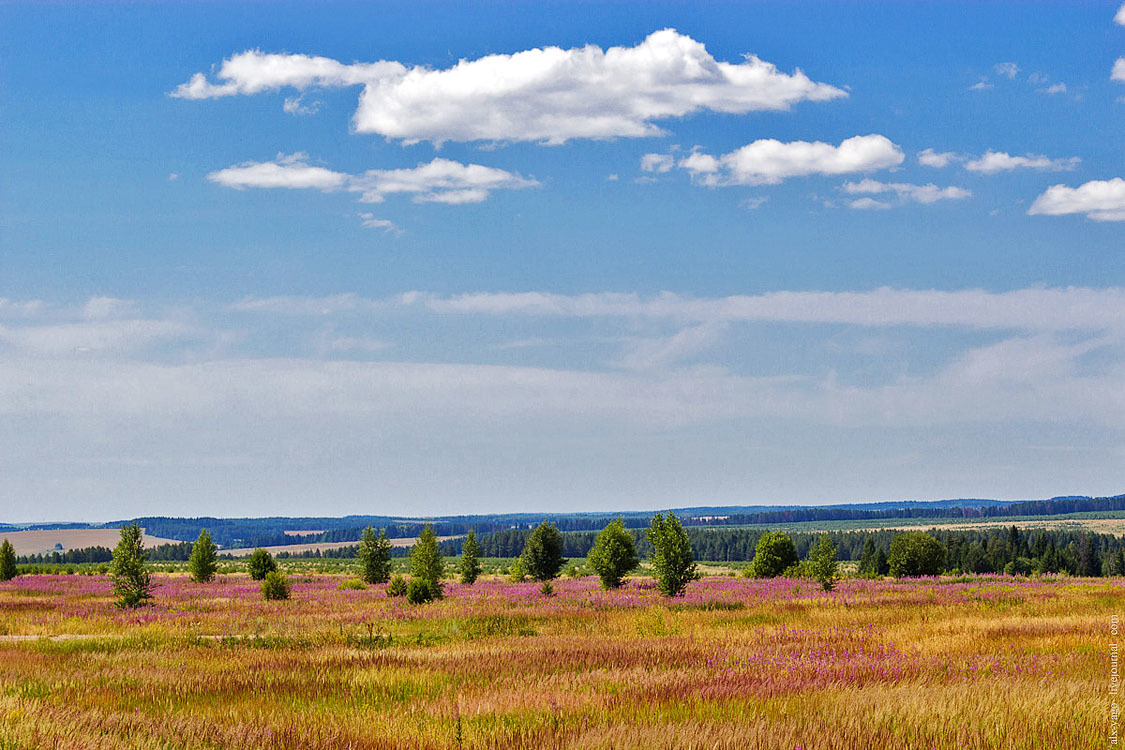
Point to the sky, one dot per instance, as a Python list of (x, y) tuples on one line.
[(435, 258)]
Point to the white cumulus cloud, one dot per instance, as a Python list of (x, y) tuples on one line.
[(1100, 200), (769, 161), (998, 161), (1119, 18), (931, 158), (439, 181), (549, 94), (903, 191), (1118, 73)]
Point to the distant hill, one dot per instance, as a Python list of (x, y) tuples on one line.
[(284, 531)]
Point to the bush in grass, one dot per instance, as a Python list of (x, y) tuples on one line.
[(419, 591), (275, 586), (132, 584), (542, 556), (469, 567), (261, 562), (916, 554), (204, 558), (547, 589), (672, 559), (822, 564), (352, 584), (7, 561), (613, 555), (375, 556), (774, 555), (397, 586)]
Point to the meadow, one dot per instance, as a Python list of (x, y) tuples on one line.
[(779, 664)]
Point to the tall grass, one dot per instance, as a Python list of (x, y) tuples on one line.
[(982, 662)]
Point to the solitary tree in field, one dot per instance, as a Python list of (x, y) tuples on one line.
[(867, 559), (7, 561), (426, 568), (469, 567), (261, 562), (542, 557), (132, 584), (203, 561), (823, 565), (613, 555), (774, 555), (375, 556), (916, 554), (672, 558)]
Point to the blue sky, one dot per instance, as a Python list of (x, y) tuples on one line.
[(428, 258)]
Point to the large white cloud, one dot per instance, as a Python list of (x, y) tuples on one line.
[(1100, 200), (769, 161), (438, 181), (1120, 16), (992, 162), (550, 95)]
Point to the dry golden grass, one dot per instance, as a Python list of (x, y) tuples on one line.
[(989, 663)]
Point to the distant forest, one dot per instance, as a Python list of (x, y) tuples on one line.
[(268, 532)]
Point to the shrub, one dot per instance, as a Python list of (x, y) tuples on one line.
[(822, 564), (573, 571), (419, 591), (397, 586), (672, 558), (916, 554), (7, 561), (547, 589), (132, 584), (542, 557), (275, 586), (261, 562), (375, 556), (517, 574), (352, 584), (613, 555), (203, 561), (774, 555), (426, 563)]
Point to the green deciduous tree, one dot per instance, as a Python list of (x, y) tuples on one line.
[(822, 563), (261, 562), (542, 557), (204, 558), (7, 561), (672, 560), (613, 555), (916, 554), (774, 555), (375, 556), (426, 563), (469, 567), (132, 584)]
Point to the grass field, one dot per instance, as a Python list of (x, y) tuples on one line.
[(986, 662), (39, 542)]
